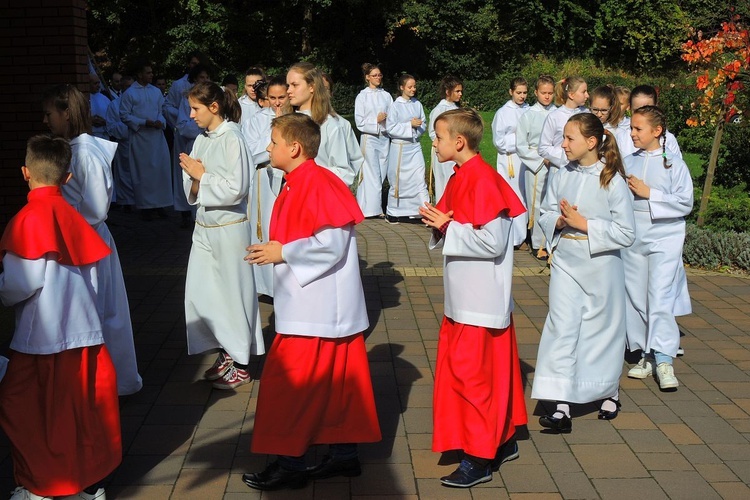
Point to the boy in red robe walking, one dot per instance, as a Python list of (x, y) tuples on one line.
[(58, 399), (478, 399), (316, 386)]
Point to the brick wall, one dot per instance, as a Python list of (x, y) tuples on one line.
[(42, 43)]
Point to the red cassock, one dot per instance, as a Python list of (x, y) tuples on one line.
[(314, 390), (60, 411), (478, 398)]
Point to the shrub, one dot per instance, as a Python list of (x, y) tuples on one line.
[(712, 249)]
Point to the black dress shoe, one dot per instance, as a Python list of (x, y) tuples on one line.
[(563, 424), (276, 477), (332, 468), (610, 415)]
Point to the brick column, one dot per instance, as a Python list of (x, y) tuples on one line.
[(42, 43)]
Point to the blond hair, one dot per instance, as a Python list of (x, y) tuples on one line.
[(565, 87), (320, 107), (48, 159)]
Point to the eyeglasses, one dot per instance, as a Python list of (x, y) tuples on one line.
[(377, 76), (600, 111)]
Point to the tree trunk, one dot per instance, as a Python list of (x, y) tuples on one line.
[(306, 27), (710, 172)]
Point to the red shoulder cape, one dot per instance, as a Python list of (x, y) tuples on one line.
[(49, 224), (477, 194), (312, 198)]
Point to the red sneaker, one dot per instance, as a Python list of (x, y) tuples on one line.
[(234, 377), (220, 367)]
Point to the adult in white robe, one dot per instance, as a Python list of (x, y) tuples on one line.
[(177, 91), (583, 340), (406, 168), (263, 191), (99, 105), (375, 144), (508, 162), (249, 108), (654, 273), (440, 171), (534, 169), (117, 130), (550, 142), (150, 166), (221, 306), (89, 191)]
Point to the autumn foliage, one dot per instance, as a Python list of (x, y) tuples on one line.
[(722, 64)]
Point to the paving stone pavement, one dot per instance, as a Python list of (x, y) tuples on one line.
[(183, 440)]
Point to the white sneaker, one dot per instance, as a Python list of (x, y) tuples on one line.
[(99, 495), (680, 351), (643, 369), (665, 376), (22, 493)]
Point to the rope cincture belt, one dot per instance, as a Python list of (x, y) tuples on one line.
[(211, 226), (567, 237)]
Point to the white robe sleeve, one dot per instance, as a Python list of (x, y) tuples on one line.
[(678, 203), (339, 147), (550, 212), (503, 136), (115, 127), (399, 126), (171, 104), (21, 278), (365, 118), (607, 235), (90, 189), (487, 242), (254, 138), (529, 155), (310, 258), (127, 113), (221, 191), (672, 146), (547, 149)]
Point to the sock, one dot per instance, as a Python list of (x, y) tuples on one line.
[(562, 409), (608, 405)]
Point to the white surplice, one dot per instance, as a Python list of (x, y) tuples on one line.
[(89, 191), (374, 143), (318, 288), (221, 306), (654, 273), (99, 104), (583, 341), (528, 133), (441, 171), (478, 272), (264, 190), (249, 109), (508, 163), (150, 165), (123, 190), (406, 168), (54, 304)]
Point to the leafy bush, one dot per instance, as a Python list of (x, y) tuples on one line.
[(728, 209), (734, 153), (712, 249)]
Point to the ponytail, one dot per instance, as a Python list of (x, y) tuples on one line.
[(606, 146), (207, 93), (565, 86)]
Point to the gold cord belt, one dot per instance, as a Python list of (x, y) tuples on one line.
[(211, 226)]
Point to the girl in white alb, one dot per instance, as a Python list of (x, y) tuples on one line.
[(370, 113), (535, 168), (451, 90), (587, 218), (406, 123), (571, 95), (504, 138), (663, 191)]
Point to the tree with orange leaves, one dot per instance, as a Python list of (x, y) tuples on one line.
[(722, 66)]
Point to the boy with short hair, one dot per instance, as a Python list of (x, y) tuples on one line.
[(478, 397), (316, 386), (58, 399)]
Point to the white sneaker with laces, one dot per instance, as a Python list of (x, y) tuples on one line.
[(99, 495), (22, 493), (642, 370), (665, 376)]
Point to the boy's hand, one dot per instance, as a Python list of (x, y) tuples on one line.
[(194, 168), (434, 217), (638, 187), (264, 253), (572, 218)]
